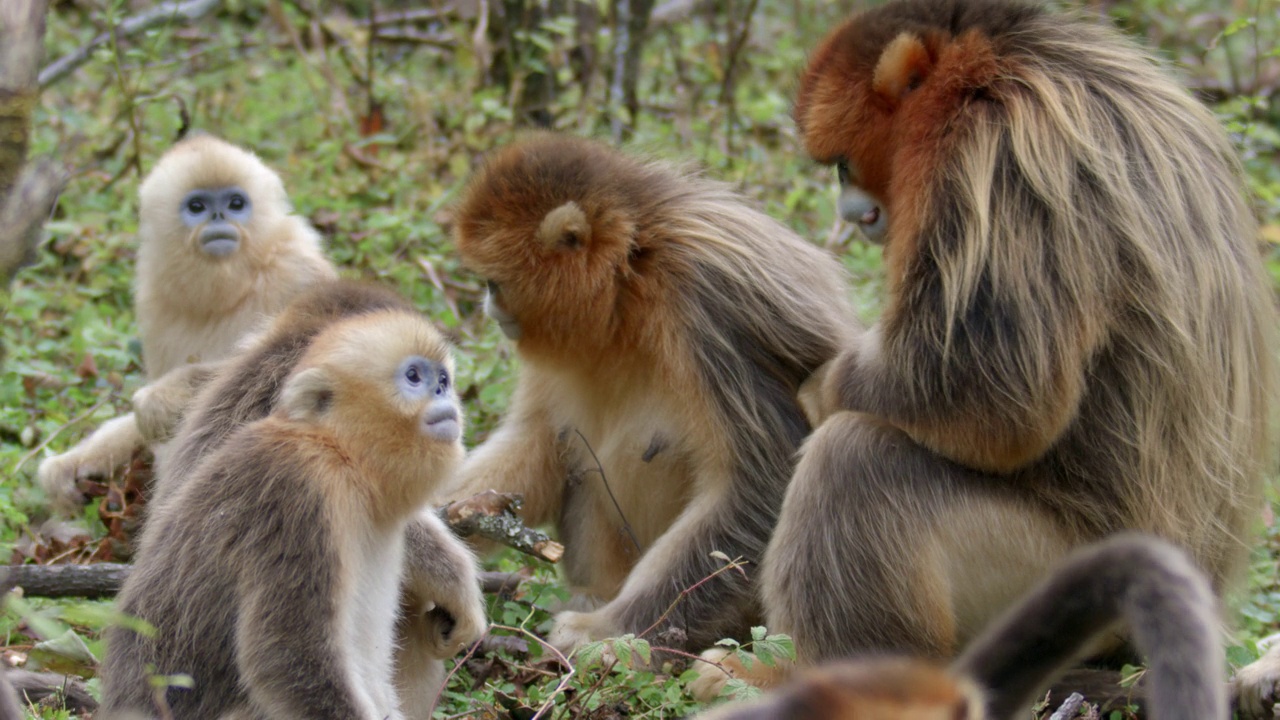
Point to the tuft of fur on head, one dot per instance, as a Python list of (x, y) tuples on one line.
[(591, 248), (346, 385), (1047, 156)]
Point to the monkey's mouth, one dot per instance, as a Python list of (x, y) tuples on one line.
[(441, 423), (219, 243)]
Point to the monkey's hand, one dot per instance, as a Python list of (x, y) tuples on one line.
[(158, 406), (442, 588), (97, 456), (1255, 689)]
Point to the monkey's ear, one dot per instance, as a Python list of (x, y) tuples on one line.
[(565, 227), (307, 395), (903, 65)]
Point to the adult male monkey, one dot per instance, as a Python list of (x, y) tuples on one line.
[(219, 250), (664, 327), (1076, 339)]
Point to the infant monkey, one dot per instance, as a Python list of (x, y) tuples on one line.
[(272, 578)]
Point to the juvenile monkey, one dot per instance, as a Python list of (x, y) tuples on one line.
[(663, 326), (1077, 338), (1148, 584), (272, 577), (218, 250), (442, 607)]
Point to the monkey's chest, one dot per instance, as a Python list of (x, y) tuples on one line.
[(634, 476)]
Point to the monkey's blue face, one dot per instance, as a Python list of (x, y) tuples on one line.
[(858, 206), (217, 216), (421, 379)]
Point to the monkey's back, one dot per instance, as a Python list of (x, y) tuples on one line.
[(246, 389), (247, 518), (1114, 204)]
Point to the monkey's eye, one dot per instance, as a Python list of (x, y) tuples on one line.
[(236, 202), (842, 171), (195, 207), (413, 376), (442, 383)]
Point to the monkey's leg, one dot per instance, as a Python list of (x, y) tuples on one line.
[(96, 456), (882, 546), (719, 600)]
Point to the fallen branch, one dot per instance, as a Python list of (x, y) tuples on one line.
[(33, 687), (187, 10), (489, 515)]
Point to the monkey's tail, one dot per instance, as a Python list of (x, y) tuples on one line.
[(1170, 613)]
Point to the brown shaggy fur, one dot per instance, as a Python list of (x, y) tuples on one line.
[(664, 327), (1077, 338)]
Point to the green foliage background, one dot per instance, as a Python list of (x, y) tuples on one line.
[(255, 74)]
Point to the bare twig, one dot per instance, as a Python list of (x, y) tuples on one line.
[(186, 10), (491, 515), (604, 479), (734, 564)]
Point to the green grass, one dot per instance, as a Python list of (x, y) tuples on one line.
[(72, 358)]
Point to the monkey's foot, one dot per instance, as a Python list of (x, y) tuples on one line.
[(1256, 687), (575, 629), (722, 665)]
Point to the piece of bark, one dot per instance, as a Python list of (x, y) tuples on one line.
[(1069, 708), (27, 190), (1100, 687), (492, 515), (32, 687), (96, 580)]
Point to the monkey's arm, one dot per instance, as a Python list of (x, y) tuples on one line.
[(1165, 602), (441, 583), (158, 406), (992, 389), (523, 455)]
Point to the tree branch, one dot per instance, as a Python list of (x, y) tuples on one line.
[(187, 10)]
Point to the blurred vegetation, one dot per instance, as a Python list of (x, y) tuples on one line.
[(374, 133)]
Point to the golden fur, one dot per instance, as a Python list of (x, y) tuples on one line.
[(271, 575), (191, 307), (1077, 338), (663, 326)]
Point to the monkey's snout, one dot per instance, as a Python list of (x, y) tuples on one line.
[(858, 207), (219, 242), (441, 422)]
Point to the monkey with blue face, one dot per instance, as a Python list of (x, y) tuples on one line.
[(219, 252)]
